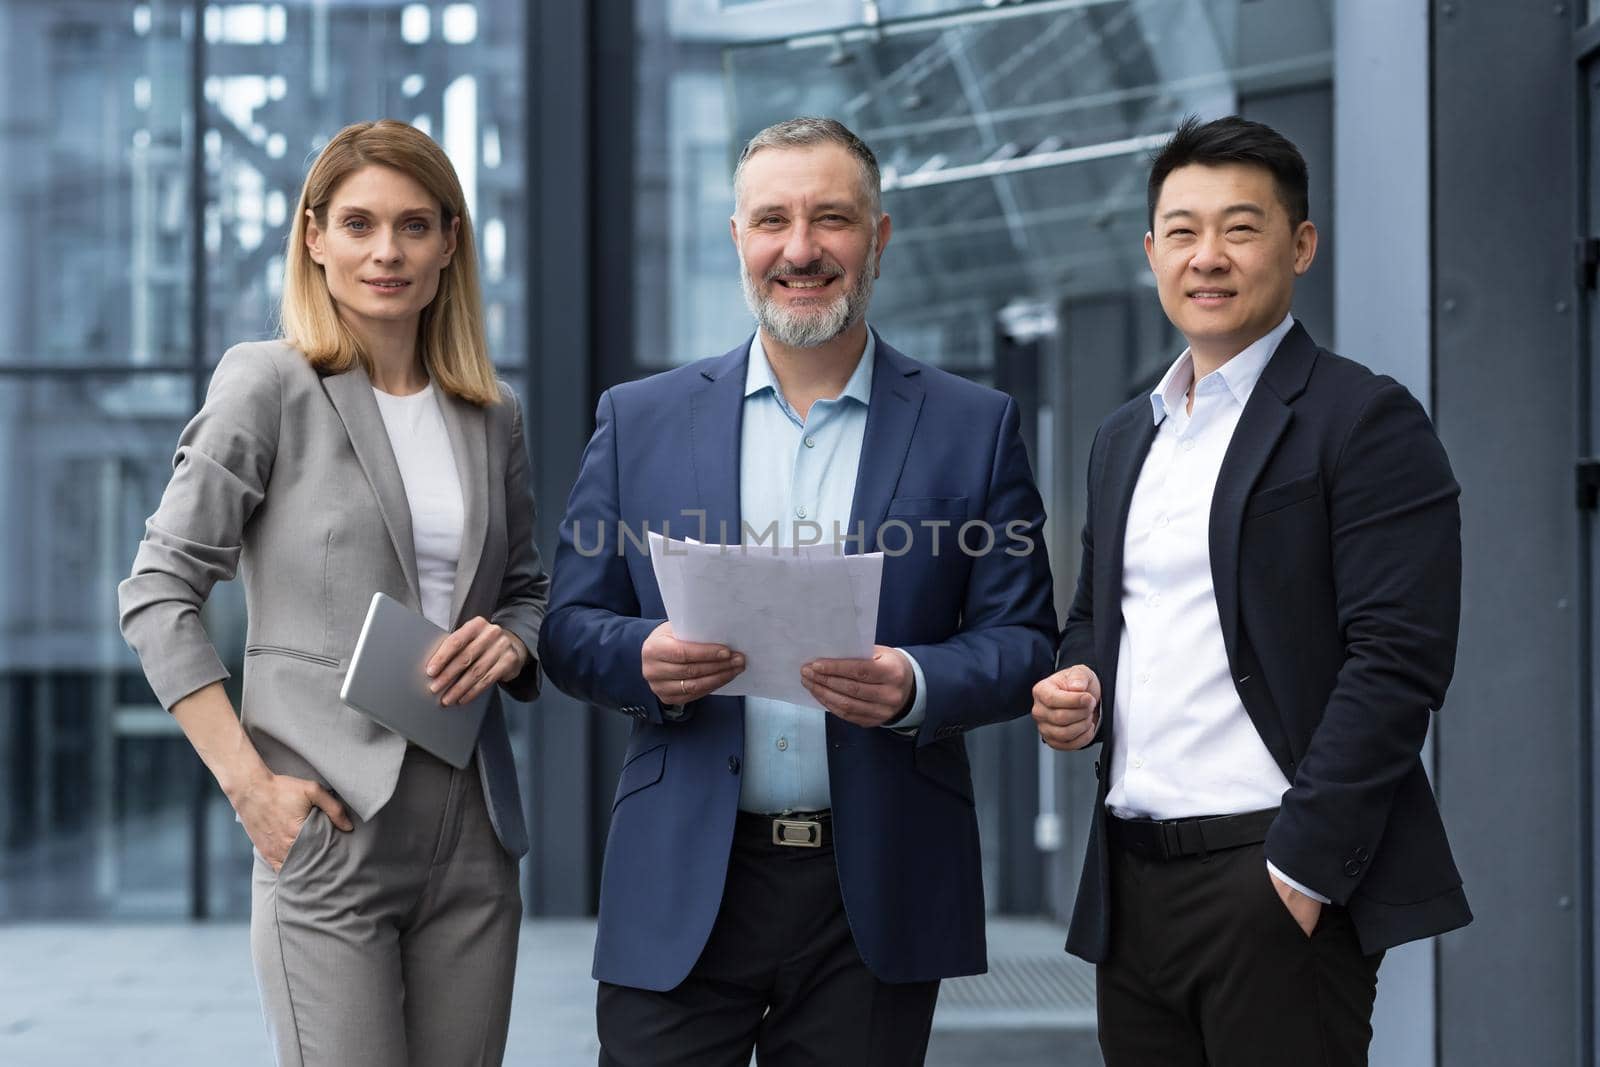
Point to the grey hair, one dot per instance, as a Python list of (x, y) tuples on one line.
[(806, 132)]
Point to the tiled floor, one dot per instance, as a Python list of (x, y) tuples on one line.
[(181, 995)]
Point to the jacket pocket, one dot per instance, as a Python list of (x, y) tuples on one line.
[(292, 653), (640, 772), (945, 764), (948, 507), (1278, 497)]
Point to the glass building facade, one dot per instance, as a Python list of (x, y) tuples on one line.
[(154, 151), (151, 152)]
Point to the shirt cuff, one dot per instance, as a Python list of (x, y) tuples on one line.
[(1292, 884), (919, 703)]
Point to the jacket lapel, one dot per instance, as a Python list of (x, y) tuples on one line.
[(716, 420), (1126, 449), (1261, 426), (896, 402), (351, 394), (467, 426)]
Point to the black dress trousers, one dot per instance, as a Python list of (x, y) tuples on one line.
[(1208, 969), (780, 975)]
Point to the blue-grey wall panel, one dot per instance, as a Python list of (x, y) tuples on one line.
[(1382, 300)]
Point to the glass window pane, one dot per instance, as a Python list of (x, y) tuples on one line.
[(94, 190), (277, 91), (1014, 141), (96, 784)]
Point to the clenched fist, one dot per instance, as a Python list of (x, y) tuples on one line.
[(1066, 708)]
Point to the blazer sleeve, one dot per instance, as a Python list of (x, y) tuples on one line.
[(219, 477), (1395, 525), (525, 589), (592, 640), (985, 672)]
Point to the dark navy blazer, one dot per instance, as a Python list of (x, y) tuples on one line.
[(937, 448), (1336, 556)]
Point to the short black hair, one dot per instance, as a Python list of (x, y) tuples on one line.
[(1233, 140)]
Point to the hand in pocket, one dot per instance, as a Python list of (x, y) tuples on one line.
[(1305, 910)]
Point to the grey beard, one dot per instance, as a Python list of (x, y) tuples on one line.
[(810, 327)]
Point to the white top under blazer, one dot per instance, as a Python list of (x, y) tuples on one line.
[(433, 490)]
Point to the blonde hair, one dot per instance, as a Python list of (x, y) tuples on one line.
[(450, 334)]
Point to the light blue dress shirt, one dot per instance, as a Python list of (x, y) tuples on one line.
[(794, 472)]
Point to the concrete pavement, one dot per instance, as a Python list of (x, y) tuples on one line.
[(182, 995)]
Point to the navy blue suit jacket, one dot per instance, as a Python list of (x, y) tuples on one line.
[(937, 448), (1335, 540)]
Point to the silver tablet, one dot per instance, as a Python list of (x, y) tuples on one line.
[(388, 681)]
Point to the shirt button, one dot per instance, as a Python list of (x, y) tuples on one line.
[(811, 442), (1144, 677), (1188, 446), (1155, 600), (1139, 762), (783, 744), (1162, 522), (800, 512)]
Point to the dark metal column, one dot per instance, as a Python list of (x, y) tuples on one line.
[(1510, 762), (560, 404), (613, 241), (580, 341)]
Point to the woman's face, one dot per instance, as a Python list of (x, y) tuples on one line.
[(383, 249)]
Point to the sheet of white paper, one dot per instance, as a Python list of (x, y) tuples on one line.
[(669, 579), (781, 607)]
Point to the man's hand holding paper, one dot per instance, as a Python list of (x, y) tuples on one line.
[(680, 671), (782, 609), (867, 692)]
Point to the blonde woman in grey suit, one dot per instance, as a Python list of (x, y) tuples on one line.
[(372, 448)]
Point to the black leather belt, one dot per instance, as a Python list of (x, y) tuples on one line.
[(791, 829), (1170, 839)]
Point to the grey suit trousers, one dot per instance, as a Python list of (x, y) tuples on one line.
[(394, 944)]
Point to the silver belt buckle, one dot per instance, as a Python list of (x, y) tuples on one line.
[(797, 833)]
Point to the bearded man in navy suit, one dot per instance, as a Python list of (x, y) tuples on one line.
[(781, 878)]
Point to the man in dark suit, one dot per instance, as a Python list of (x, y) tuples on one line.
[(797, 880), (1264, 621)]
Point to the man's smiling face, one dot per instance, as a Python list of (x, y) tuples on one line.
[(1225, 255), (809, 244)]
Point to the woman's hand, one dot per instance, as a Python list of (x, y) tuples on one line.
[(479, 654), (274, 807), (271, 807)]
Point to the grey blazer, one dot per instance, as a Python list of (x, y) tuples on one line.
[(287, 476)]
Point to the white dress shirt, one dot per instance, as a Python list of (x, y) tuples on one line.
[(1184, 746), (433, 490)]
